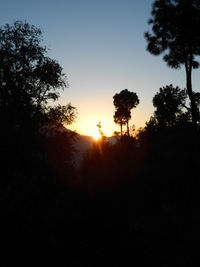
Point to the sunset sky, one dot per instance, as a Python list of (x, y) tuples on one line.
[(100, 45)]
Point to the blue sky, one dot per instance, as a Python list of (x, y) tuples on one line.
[(100, 45)]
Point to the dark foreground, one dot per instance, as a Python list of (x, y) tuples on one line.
[(144, 216)]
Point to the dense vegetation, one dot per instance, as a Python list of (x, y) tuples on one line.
[(133, 202)]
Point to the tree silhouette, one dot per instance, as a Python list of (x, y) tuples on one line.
[(101, 133), (61, 115), (169, 103), (175, 33), (124, 102), (29, 79)]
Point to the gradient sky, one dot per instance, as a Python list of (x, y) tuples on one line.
[(100, 45)]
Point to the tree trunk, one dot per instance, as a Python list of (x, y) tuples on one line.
[(127, 127), (121, 128), (191, 95)]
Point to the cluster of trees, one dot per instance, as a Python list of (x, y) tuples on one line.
[(171, 109), (29, 81), (175, 34), (35, 149), (170, 104)]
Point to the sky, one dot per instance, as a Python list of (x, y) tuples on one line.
[(101, 46)]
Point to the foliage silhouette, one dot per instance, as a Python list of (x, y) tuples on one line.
[(29, 80), (169, 103), (36, 150), (175, 32), (101, 133), (124, 102)]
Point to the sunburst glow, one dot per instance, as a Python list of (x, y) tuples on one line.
[(96, 135), (88, 126)]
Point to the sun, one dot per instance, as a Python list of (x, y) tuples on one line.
[(96, 135)]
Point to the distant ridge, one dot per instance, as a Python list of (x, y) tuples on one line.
[(84, 143)]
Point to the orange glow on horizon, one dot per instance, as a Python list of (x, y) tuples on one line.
[(88, 126)]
